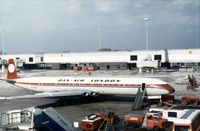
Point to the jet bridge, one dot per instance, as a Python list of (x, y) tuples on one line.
[(34, 118), (12, 118)]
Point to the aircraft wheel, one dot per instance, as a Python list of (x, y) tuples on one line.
[(184, 102), (196, 103), (156, 128)]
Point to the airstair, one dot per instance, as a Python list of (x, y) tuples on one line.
[(139, 99)]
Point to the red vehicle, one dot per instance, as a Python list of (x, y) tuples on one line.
[(165, 99), (92, 122), (98, 121), (150, 121), (89, 68), (77, 68), (185, 100)]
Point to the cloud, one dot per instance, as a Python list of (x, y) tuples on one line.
[(72, 7), (66, 24), (106, 6), (138, 5)]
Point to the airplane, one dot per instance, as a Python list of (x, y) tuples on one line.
[(87, 86)]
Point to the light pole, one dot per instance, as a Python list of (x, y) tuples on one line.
[(3, 66), (99, 37), (3, 30), (147, 36)]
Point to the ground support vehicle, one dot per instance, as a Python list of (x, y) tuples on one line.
[(192, 82), (189, 121), (185, 100), (162, 100), (181, 119), (151, 120), (100, 121), (88, 68)]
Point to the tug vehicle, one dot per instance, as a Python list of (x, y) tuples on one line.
[(92, 122), (89, 68), (185, 100), (164, 100), (77, 68), (152, 120), (99, 121)]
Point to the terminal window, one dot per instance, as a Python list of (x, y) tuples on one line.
[(42, 59), (30, 59), (157, 57), (133, 57)]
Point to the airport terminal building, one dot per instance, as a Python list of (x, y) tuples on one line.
[(108, 60)]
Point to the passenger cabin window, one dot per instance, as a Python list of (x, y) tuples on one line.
[(30, 59), (157, 57), (133, 57)]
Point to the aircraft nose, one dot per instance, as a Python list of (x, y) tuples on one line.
[(170, 89)]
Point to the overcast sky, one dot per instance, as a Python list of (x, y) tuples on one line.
[(33, 26)]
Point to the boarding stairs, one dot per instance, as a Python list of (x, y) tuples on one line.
[(109, 127), (139, 98), (144, 124)]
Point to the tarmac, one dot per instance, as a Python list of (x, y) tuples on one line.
[(76, 109)]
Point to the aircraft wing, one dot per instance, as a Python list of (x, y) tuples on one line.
[(51, 94)]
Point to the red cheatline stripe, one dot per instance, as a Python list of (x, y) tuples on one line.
[(159, 86), (88, 84)]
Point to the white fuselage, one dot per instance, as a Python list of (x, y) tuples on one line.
[(101, 85)]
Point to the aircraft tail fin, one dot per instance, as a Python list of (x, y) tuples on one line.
[(11, 71)]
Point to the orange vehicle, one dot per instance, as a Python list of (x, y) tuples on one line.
[(185, 100), (89, 68), (150, 121), (98, 121), (155, 122), (168, 99), (165, 99), (77, 68), (92, 122)]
